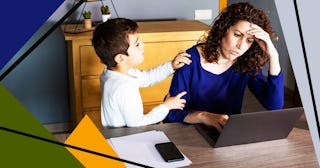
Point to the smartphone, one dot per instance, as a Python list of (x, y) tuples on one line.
[(169, 152)]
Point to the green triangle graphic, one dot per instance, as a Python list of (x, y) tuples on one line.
[(21, 151)]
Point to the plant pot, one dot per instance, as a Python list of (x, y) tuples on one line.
[(87, 23), (105, 17)]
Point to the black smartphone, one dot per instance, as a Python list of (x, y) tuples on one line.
[(169, 152)]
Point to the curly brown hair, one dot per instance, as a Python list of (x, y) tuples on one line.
[(254, 58)]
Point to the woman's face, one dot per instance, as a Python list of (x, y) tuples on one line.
[(236, 40)]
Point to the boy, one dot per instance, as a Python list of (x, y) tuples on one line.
[(117, 44)]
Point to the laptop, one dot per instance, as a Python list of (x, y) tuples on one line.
[(252, 127)]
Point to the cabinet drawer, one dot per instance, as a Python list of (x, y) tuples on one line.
[(159, 52), (95, 116), (148, 106), (91, 95), (155, 54), (156, 92), (90, 62)]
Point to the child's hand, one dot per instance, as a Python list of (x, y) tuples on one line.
[(180, 60), (175, 102)]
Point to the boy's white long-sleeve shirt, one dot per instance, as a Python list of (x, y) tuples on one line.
[(121, 103)]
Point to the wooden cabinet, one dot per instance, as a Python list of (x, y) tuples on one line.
[(162, 41)]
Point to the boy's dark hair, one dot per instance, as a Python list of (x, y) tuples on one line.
[(111, 38)]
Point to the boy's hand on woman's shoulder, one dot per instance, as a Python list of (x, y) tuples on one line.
[(180, 60)]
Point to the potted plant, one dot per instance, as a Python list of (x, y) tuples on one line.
[(105, 12), (87, 22)]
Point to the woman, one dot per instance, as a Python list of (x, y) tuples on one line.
[(230, 59)]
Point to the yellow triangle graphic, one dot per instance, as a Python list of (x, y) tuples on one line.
[(86, 135)]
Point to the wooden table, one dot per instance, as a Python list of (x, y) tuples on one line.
[(296, 151)]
